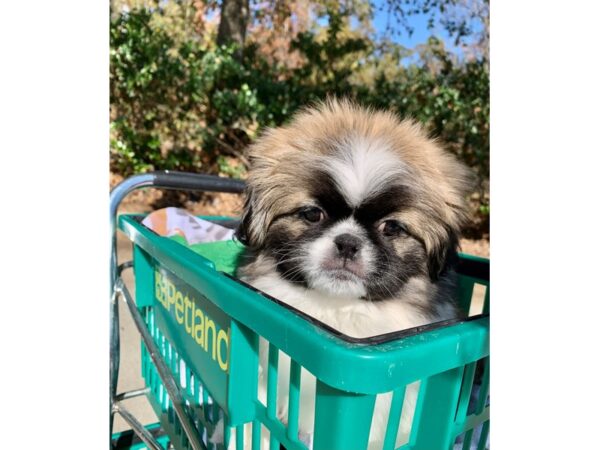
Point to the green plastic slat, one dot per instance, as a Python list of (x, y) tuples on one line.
[(239, 437), (272, 389), (144, 271), (188, 376), (272, 370), (294, 400), (474, 420), (277, 430), (173, 361), (440, 396), (465, 292), (144, 358), (465, 393), (273, 442), (486, 301), (196, 390), (205, 405), (393, 424), (468, 439), (416, 415), (256, 426), (342, 419), (483, 393), (226, 436), (485, 387), (485, 429)]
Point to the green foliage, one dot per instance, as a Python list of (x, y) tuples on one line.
[(174, 106), (452, 100), (186, 105)]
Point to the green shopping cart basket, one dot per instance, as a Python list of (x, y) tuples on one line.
[(200, 360)]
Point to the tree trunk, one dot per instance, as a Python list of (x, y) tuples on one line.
[(232, 27)]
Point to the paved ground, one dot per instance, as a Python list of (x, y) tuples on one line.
[(129, 374)]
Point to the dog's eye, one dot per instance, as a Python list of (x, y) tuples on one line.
[(312, 214), (391, 228)]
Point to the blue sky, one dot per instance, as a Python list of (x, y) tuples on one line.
[(420, 31), (418, 22)]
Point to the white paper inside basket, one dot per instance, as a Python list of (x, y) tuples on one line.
[(176, 221)]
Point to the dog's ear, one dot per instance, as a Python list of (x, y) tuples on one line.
[(442, 254), (242, 233), (252, 230)]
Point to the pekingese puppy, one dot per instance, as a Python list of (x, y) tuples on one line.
[(353, 217)]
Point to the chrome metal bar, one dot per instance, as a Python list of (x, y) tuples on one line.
[(116, 197), (131, 394), (179, 404), (137, 427), (124, 266), (115, 354)]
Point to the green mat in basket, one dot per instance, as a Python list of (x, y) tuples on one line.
[(224, 254)]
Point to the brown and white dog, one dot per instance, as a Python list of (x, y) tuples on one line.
[(353, 217)]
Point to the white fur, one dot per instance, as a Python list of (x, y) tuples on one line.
[(322, 248), (362, 167), (350, 315)]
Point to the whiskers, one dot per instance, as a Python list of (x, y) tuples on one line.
[(291, 265), (385, 284)]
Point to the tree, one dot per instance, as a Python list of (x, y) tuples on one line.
[(232, 26), (179, 101)]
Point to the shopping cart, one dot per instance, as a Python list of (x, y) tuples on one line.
[(202, 373)]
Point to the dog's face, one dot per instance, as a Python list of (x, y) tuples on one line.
[(353, 203)]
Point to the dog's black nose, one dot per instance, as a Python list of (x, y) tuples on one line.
[(347, 245)]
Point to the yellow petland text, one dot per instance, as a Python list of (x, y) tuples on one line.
[(207, 334)]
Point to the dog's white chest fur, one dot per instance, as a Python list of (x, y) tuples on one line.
[(351, 316)]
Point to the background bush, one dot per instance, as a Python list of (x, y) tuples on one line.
[(180, 101)]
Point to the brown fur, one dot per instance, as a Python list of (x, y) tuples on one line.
[(283, 159), (408, 280)]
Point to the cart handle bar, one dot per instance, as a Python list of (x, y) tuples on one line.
[(165, 179)]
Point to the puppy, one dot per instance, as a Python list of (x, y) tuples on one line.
[(353, 217)]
